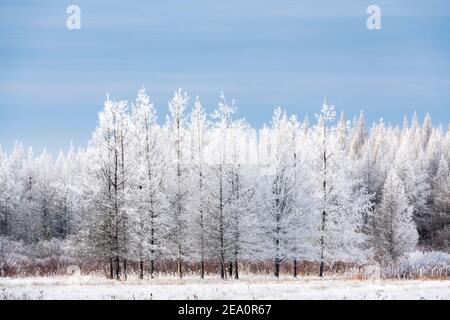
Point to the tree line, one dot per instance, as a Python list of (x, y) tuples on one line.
[(201, 188)]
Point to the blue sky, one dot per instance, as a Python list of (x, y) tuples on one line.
[(262, 53)]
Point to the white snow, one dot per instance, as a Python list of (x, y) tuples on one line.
[(250, 287)]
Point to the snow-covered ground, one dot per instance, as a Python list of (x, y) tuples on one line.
[(254, 287)]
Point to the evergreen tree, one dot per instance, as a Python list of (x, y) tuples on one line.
[(394, 229)]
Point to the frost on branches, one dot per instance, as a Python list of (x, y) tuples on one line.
[(202, 190)]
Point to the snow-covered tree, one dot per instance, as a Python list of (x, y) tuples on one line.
[(341, 200), (394, 230), (7, 196), (241, 208), (358, 138), (66, 197), (199, 191), (148, 226), (177, 179), (279, 212), (106, 218), (416, 183), (199, 174), (220, 190), (441, 205)]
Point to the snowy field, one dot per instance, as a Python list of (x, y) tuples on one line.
[(85, 287)]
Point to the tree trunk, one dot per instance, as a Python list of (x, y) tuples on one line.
[(324, 213), (152, 268), (117, 268), (321, 269), (111, 268), (141, 269), (295, 268), (179, 268), (236, 272), (202, 269), (221, 225), (125, 268), (322, 244), (277, 268), (230, 270)]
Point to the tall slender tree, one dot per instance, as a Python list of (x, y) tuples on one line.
[(149, 221), (199, 140), (178, 178)]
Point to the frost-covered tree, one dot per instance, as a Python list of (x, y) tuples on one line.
[(67, 193), (370, 168), (196, 192), (199, 174), (7, 196), (304, 220), (427, 130), (43, 206), (220, 190), (28, 224), (177, 179), (394, 230), (414, 177), (358, 138), (341, 200), (149, 221), (105, 232), (241, 208), (279, 211), (441, 205)]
